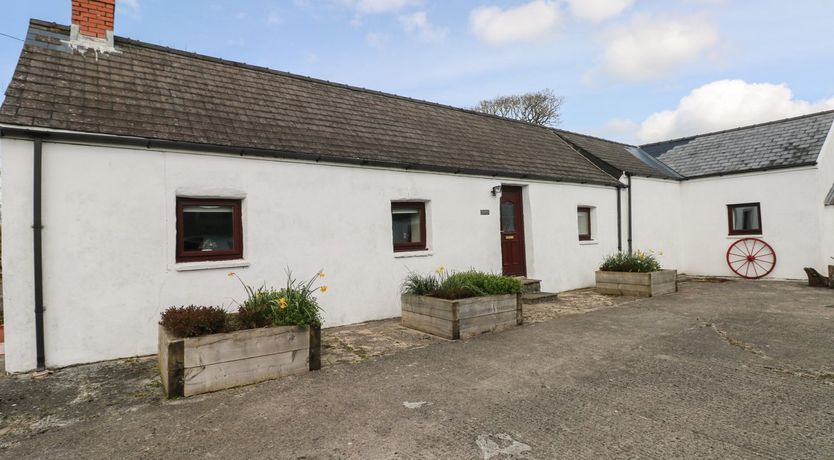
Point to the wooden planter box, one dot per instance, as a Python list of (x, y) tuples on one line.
[(215, 362), (637, 284), (461, 319)]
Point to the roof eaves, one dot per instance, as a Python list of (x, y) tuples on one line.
[(28, 132), (751, 170)]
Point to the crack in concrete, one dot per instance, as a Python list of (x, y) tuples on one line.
[(732, 341), (826, 377)]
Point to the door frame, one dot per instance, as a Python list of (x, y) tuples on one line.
[(521, 233)]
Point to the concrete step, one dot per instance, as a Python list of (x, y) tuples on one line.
[(530, 285), (532, 298)]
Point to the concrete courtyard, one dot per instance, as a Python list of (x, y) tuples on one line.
[(720, 369)]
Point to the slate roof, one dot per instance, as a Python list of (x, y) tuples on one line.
[(153, 92), (780, 144), (829, 199), (622, 157)]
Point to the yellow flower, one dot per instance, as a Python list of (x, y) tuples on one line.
[(323, 288), (283, 303), (231, 274), (440, 269), (321, 274)]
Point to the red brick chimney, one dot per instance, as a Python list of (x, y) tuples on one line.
[(93, 19)]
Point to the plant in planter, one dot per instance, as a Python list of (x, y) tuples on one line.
[(460, 305), (273, 334), (2, 327), (636, 274)]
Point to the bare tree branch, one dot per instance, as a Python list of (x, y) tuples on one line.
[(540, 107)]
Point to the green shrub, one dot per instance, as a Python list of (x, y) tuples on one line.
[(256, 310), (297, 305), (418, 284), (461, 285), (636, 262), (194, 321), (294, 305)]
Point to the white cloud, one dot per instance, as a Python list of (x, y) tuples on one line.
[(651, 47), (274, 18), (418, 24), (380, 6), (598, 10), (130, 7), (133, 4), (530, 22), (620, 127), (376, 40), (726, 104)]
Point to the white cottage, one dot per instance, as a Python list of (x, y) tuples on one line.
[(136, 176)]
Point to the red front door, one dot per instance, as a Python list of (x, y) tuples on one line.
[(512, 232)]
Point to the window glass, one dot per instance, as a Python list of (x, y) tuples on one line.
[(584, 220), (508, 216), (406, 225), (746, 218), (208, 228)]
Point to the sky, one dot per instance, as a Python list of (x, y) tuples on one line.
[(636, 71)]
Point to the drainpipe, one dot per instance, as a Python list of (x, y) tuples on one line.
[(619, 220), (37, 228), (628, 175)]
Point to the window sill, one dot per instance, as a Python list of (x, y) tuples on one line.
[(210, 265), (741, 237), (411, 254), (588, 242)]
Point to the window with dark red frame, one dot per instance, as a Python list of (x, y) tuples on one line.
[(408, 225), (209, 229), (583, 215), (744, 219)]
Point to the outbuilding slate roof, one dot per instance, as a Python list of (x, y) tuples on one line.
[(159, 93), (622, 157), (780, 144)]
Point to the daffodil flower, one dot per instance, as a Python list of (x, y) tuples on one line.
[(231, 274), (321, 274), (323, 288)]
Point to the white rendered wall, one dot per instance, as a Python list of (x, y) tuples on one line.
[(18, 267), (554, 253), (656, 220), (825, 164), (790, 219), (109, 261)]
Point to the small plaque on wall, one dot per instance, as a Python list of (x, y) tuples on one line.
[(484, 212)]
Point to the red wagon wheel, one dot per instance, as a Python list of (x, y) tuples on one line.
[(751, 258)]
